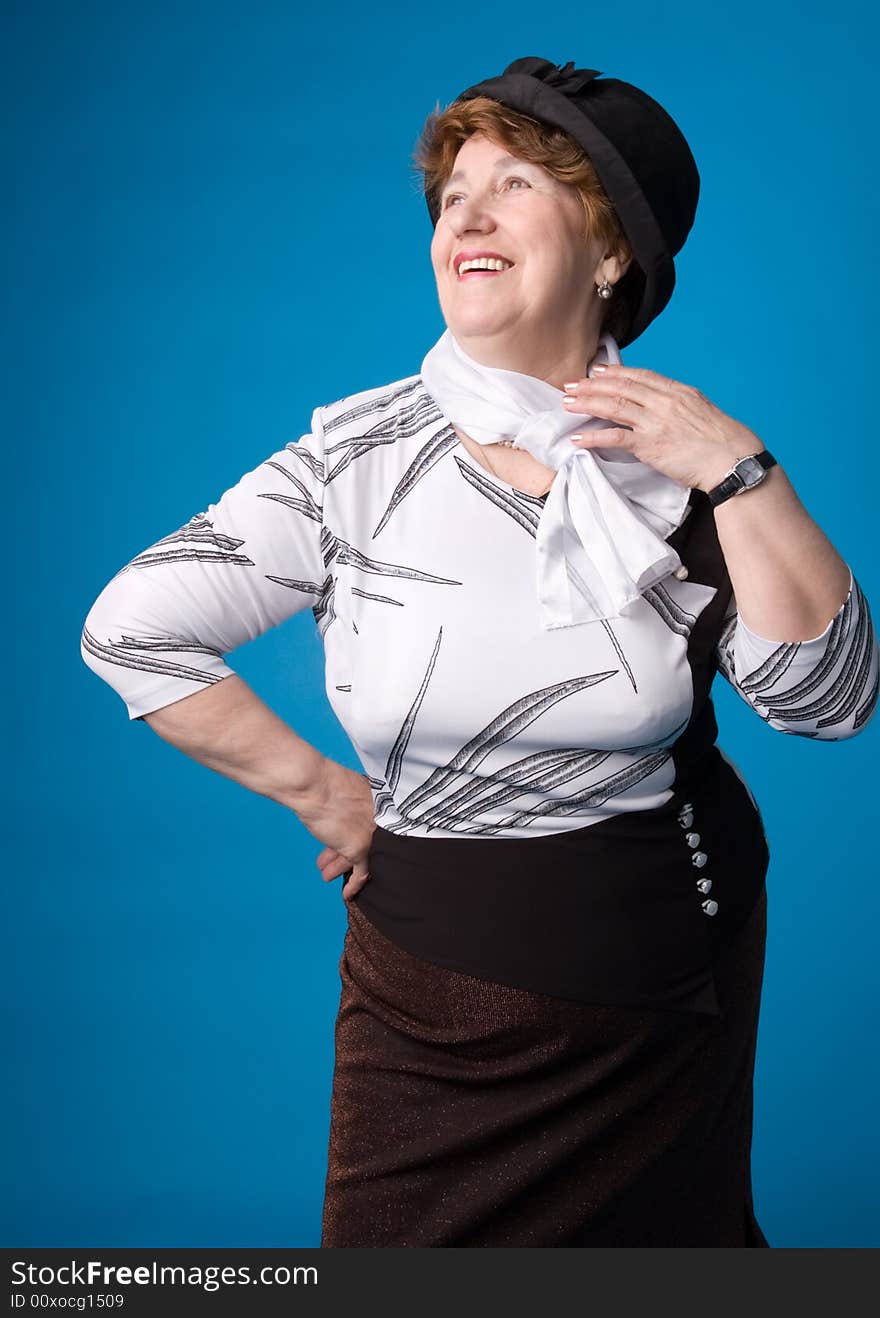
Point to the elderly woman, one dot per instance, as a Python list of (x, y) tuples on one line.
[(527, 563)]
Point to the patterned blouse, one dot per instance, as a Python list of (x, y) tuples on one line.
[(468, 718)]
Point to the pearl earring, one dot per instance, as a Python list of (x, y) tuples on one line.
[(605, 289)]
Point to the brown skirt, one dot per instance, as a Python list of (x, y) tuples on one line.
[(470, 1113)]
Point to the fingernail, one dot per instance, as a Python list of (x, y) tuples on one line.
[(573, 384), (567, 398), (598, 366)]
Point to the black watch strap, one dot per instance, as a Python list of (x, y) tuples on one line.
[(733, 484)]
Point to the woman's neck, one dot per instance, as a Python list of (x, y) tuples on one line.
[(554, 367), (515, 466)]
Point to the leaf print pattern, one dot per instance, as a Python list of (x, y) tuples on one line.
[(468, 718), (825, 687)]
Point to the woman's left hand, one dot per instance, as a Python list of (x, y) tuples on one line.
[(669, 425)]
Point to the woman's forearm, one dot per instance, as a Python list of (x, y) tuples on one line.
[(227, 727), (788, 579)]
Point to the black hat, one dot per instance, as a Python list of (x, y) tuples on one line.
[(642, 159)]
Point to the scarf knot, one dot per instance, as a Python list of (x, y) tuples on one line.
[(601, 538)]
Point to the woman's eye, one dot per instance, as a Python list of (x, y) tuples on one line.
[(454, 196)]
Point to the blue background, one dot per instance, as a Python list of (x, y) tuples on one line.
[(212, 228)]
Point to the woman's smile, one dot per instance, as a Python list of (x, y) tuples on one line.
[(475, 274)]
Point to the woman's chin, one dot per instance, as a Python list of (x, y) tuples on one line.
[(476, 325)]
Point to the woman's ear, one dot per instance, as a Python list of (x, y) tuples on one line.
[(615, 263), (625, 263)]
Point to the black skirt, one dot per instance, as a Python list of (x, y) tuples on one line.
[(552, 1042)]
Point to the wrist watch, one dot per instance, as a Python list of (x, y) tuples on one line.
[(744, 475)]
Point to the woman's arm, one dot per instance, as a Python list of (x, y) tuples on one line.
[(825, 687), (798, 641), (228, 728), (160, 628), (788, 579)]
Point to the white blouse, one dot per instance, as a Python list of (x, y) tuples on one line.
[(468, 717)]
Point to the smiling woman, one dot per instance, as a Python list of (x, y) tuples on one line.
[(526, 154), (534, 229), (476, 959), (524, 310), (555, 878)]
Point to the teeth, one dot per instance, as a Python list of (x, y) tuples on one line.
[(483, 263)]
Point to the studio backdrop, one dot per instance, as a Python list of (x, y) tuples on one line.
[(212, 227)]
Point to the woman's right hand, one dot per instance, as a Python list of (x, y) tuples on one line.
[(338, 810)]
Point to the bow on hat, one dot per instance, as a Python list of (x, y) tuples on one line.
[(564, 77)]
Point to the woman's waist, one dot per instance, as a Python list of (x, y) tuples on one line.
[(713, 793), (630, 909)]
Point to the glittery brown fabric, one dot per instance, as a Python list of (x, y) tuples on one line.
[(470, 1113)]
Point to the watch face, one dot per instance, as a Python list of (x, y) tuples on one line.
[(749, 471)]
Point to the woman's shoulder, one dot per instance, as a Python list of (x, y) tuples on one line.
[(368, 408)]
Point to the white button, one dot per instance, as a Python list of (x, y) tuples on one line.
[(693, 839), (681, 572), (710, 907), (704, 885), (699, 859)]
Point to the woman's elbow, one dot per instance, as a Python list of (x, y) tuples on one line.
[(102, 621)]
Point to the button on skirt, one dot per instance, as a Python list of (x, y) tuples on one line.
[(465, 1112)]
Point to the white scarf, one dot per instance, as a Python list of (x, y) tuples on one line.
[(601, 535)]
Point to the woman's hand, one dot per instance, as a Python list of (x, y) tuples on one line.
[(669, 425), (338, 810)]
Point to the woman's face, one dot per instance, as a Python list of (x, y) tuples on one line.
[(495, 203)]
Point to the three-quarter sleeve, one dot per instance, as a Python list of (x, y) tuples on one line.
[(160, 628), (824, 687)]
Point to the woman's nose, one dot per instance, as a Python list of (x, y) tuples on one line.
[(470, 213)]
